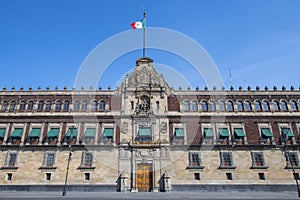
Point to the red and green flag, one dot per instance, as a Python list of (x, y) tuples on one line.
[(139, 24)]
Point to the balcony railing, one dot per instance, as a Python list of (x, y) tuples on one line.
[(146, 143)]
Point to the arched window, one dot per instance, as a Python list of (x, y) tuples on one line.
[(40, 106), (76, 106), (204, 106), (212, 106), (102, 105), (186, 105), (240, 105), (66, 105), (294, 105), (229, 105), (283, 105), (94, 105), (12, 106), (48, 105), (58, 106), (257, 105), (194, 106), (266, 106), (84, 105), (4, 106), (222, 105), (30, 105), (22, 106), (248, 106), (276, 105)]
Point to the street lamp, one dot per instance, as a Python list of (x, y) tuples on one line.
[(69, 159), (285, 131)]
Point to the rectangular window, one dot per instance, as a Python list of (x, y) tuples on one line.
[(287, 134), (157, 105), (131, 105), (11, 160), (208, 133), (34, 135), (48, 176), (226, 160), (9, 176), (108, 134), (144, 135), (179, 132), (50, 159), (195, 160), (197, 176), (296, 176), (261, 176), (87, 176), (229, 176), (71, 135), (223, 136), (88, 160), (2, 133), (266, 135), (52, 135), (239, 135), (293, 160), (178, 136), (258, 160), (208, 136), (89, 135), (16, 135)]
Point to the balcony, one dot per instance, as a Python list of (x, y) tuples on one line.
[(144, 143)]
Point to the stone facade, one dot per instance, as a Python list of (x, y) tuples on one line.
[(146, 136)]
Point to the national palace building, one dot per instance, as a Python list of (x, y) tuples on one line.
[(146, 136)]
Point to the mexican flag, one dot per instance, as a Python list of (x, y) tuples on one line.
[(139, 24)]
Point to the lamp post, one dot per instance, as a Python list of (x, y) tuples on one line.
[(69, 159), (285, 132)]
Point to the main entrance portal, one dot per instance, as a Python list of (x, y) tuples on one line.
[(144, 177)]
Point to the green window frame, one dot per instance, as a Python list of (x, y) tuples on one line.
[(2, 132), (35, 133), (17, 133), (179, 133), (90, 132), (208, 133)]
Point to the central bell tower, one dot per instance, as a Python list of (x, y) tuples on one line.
[(144, 134)]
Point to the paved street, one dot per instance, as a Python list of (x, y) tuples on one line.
[(145, 196)]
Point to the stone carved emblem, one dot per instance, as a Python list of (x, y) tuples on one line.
[(144, 153), (124, 127), (145, 123), (163, 127)]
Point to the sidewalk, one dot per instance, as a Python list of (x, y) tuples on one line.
[(171, 195)]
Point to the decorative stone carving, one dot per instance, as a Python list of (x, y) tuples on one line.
[(124, 127), (144, 153), (163, 127), (144, 123)]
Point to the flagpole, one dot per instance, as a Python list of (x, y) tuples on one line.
[(144, 38)]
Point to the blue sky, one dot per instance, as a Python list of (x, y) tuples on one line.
[(44, 42)]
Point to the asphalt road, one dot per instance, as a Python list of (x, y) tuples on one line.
[(147, 196)]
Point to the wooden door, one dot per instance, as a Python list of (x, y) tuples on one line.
[(144, 177)]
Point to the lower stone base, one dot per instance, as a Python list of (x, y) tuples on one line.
[(175, 188), (57, 188), (234, 188)]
